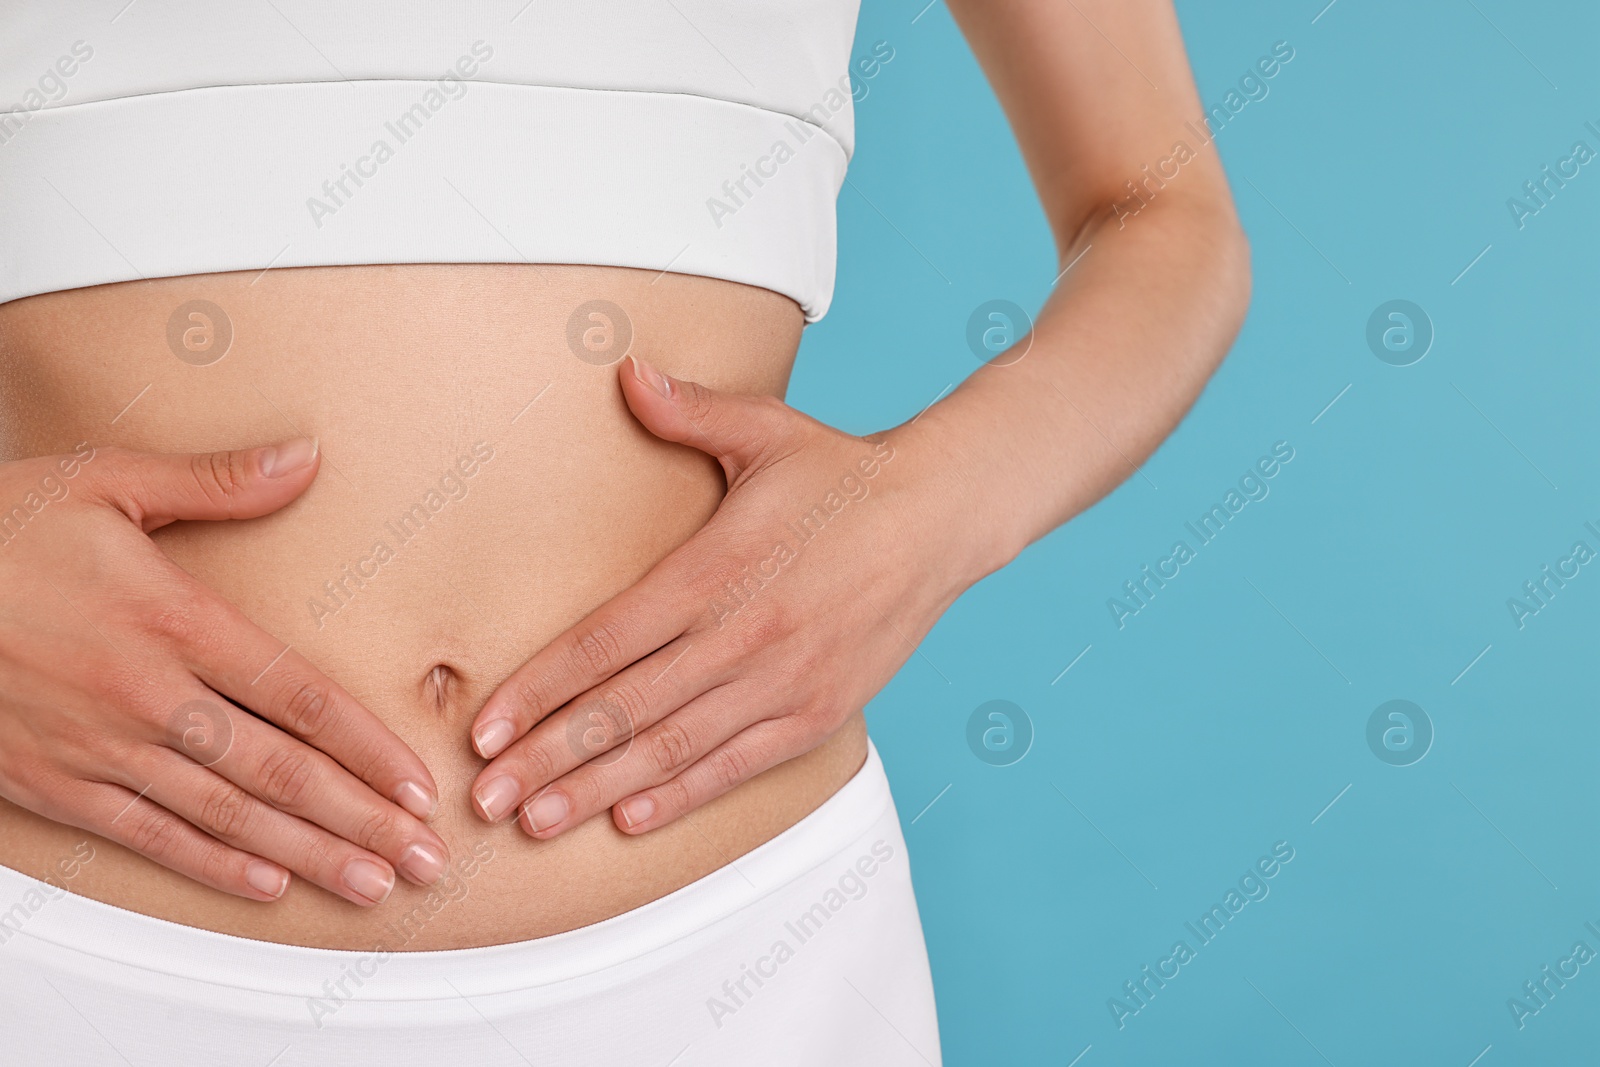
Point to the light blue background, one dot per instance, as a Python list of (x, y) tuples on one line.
[(1415, 506)]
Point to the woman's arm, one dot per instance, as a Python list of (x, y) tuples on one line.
[(832, 555), (1159, 276)]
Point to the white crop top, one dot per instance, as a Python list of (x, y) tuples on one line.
[(156, 138)]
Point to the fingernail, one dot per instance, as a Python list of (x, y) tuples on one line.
[(496, 798), (265, 878), (417, 800), (637, 810), (493, 737), (369, 880), (545, 812), (288, 457), (651, 377), (422, 864)]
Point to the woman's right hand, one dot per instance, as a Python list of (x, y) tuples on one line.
[(112, 659)]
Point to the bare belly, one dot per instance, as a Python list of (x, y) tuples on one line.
[(401, 372)]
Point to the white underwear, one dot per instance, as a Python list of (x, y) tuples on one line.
[(807, 951)]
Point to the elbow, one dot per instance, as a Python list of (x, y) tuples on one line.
[(1220, 275), (1218, 263), (1234, 276), (1223, 254)]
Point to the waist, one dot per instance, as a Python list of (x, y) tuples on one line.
[(483, 488), (742, 965), (39, 912)]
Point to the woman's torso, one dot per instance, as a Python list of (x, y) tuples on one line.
[(400, 371)]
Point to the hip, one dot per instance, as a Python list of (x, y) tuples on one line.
[(805, 950)]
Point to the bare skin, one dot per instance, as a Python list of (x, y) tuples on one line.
[(399, 371), (569, 594), (1154, 278)]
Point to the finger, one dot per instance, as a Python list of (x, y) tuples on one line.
[(234, 817), (296, 779), (656, 755), (145, 827), (753, 750), (738, 430), (624, 630), (233, 656), (594, 726), (154, 488)]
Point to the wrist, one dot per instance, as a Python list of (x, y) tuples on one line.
[(961, 515)]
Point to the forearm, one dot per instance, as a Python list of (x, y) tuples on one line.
[(1118, 354)]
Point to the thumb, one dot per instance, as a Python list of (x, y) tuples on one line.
[(154, 489), (738, 430)]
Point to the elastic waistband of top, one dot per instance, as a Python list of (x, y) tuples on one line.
[(310, 174)]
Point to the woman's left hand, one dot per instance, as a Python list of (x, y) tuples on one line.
[(826, 562)]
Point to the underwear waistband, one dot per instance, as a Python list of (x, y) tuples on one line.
[(110, 934)]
